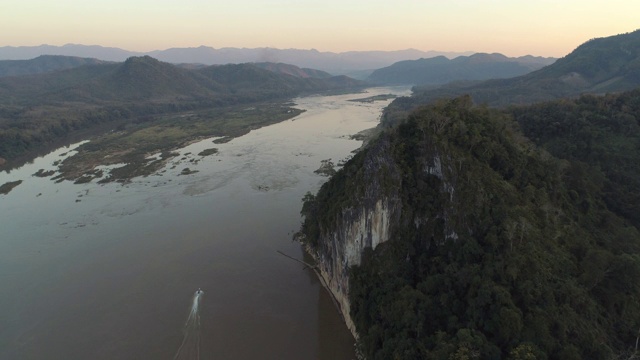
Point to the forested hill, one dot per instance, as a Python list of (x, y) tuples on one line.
[(599, 66), (498, 248), (145, 78), (43, 64), (600, 135), (337, 63), (440, 70), (39, 109), (289, 69)]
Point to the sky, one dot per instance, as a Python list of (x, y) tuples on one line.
[(511, 27)]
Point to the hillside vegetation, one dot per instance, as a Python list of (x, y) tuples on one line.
[(43, 64), (513, 251), (288, 69)]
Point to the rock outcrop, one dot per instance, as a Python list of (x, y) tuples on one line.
[(371, 209), (364, 223)]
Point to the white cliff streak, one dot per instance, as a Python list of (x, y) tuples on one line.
[(359, 228), (364, 225), (372, 216)]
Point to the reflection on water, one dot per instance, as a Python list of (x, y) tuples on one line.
[(107, 271)]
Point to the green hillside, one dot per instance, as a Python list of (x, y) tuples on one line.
[(602, 135), (501, 249)]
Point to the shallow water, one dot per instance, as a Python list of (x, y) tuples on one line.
[(109, 271)]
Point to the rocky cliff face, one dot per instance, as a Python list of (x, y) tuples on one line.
[(371, 210), (364, 223)]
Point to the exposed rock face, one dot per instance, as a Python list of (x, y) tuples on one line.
[(366, 224), (369, 218), (359, 228), (2, 161)]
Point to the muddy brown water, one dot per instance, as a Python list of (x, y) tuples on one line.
[(109, 271)]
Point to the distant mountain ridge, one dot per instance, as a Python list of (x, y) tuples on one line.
[(43, 64), (441, 70), (293, 70), (145, 78), (334, 63), (609, 64)]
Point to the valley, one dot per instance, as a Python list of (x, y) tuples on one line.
[(487, 208), (116, 264)]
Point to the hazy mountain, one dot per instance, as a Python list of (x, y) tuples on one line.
[(86, 51), (288, 69), (43, 64), (335, 63), (602, 65), (146, 78), (441, 70)]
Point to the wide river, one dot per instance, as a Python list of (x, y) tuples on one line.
[(112, 271)]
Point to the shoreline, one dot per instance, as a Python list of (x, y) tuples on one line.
[(133, 145)]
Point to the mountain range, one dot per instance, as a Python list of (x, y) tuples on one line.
[(44, 64), (598, 66), (335, 63), (145, 79), (441, 70)]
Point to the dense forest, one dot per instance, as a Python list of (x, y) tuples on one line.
[(525, 247), (601, 135)]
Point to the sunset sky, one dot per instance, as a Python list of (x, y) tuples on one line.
[(512, 27)]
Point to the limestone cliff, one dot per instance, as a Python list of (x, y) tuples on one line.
[(365, 212), (363, 222)]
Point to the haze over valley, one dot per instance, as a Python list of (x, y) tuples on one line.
[(296, 180)]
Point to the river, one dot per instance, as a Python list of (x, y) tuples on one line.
[(111, 271)]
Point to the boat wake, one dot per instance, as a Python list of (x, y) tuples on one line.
[(190, 347)]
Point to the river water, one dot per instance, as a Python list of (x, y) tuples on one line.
[(112, 271)]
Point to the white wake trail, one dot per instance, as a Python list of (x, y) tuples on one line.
[(190, 347)]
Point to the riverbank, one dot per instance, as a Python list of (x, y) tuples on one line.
[(121, 262), (145, 148)]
